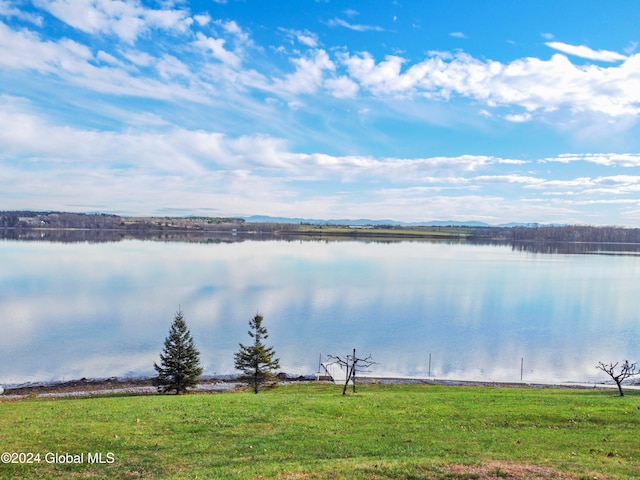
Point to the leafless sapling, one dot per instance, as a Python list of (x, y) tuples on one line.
[(352, 364), (626, 370)]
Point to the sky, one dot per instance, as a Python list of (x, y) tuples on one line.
[(494, 111)]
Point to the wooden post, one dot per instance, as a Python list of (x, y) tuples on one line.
[(353, 371)]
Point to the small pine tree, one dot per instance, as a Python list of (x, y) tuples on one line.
[(256, 361), (179, 367)]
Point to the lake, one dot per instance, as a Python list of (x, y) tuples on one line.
[(420, 308)]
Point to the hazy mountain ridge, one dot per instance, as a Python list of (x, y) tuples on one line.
[(367, 221)]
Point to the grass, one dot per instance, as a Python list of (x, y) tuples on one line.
[(312, 431)]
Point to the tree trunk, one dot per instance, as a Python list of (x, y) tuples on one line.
[(620, 388), (353, 371), (255, 382), (346, 382)]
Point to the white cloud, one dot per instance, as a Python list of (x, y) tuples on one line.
[(215, 46), (125, 19), (631, 47), (169, 67), (341, 87), (52, 166), (202, 19), (7, 10), (218, 69), (105, 57), (230, 26), (338, 22), (309, 73), (381, 79), (24, 50), (457, 35), (520, 91), (588, 190), (305, 37), (586, 52), (607, 159), (512, 179), (139, 58), (197, 152), (425, 204), (518, 117), (530, 83), (74, 63)]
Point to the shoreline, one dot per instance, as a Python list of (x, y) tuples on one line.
[(143, 386)]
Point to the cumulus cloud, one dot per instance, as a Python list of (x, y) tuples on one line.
[(125, 19), (342, 87), (304, 37), (529, 83), (202, 19), (217, 65), (197, 152), (232, 27), (216, 47), (7, 10), (519, 91), (76, 64), (382, 78), (57, 166), (586, 52), (309, 73)]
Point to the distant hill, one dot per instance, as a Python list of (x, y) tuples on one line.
[(362, 221)]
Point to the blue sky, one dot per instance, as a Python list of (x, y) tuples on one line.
[(493, 111)]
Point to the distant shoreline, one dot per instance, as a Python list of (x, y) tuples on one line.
[(107, 225)]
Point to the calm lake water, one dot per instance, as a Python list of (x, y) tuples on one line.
[(103, 309)]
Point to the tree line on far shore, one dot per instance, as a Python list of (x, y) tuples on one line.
[(531, 232)]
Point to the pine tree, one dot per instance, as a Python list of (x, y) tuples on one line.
[(256, 361), (179, 367)]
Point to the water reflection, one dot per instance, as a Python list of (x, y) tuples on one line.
[(232, 236), (72, 310)]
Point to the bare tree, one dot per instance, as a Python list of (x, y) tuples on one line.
[(352, 364), (626, 370)]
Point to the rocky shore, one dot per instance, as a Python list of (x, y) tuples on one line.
[(144, 386)]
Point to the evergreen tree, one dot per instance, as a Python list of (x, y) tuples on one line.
[(179, 367), (256, 361)]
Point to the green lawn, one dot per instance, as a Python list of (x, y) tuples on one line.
[(312, 431)]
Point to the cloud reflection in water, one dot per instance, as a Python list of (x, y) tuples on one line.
[(100, 310)]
